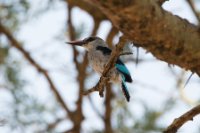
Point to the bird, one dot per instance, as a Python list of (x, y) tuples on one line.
[(98, 56)]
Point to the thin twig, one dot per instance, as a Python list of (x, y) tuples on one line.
[(188, 80), (178, 122), (137, 56), (51, 126), (125, 53), (191, 4), (15, 43), (97, 86)]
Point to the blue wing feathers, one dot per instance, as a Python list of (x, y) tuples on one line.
[(120, 66), (123, 70)]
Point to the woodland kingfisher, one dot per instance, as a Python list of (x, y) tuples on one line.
[(98, 56)]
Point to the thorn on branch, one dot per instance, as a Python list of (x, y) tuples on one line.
[(126, 53), (188, 80)]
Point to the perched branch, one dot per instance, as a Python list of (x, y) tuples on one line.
[(178, 122), (114, 55), (27, 55), (97, 87)]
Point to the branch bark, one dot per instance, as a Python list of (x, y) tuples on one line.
[(108, 109), (166, 36), (81, 68), (178, 122)]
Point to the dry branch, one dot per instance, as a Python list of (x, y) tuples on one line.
[(108, 109), (166, 36), (15, 43), (178, 122), (81, 68), (89, 8)]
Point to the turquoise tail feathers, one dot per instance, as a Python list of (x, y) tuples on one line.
[(125, 89), (120, 66)]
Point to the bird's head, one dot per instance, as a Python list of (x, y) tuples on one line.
[(89, 42)]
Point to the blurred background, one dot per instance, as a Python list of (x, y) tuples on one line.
[(42, 78)]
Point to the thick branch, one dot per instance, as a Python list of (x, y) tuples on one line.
[(26, 54), (178, 122), (166, 36)]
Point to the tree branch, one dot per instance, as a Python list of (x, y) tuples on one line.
[(166, 36), (178, 122), (93, 11), (27, 55), (125, 53), (108, 109), (114, 55), (112, 33)]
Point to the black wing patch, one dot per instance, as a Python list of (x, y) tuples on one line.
[(104, 50)]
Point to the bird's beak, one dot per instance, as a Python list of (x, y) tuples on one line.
[(78, 43)]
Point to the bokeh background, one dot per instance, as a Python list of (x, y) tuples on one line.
[(42, 78)]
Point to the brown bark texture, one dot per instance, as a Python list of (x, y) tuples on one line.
[(168, 37)]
